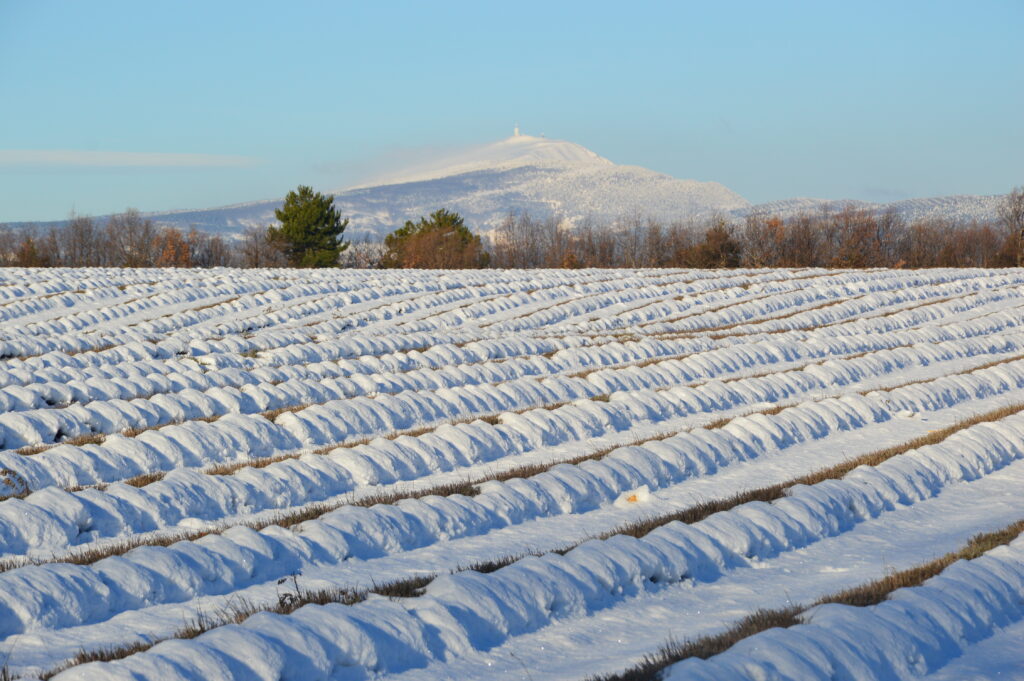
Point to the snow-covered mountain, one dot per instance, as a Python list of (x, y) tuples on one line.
[(543, 177), (484, 184)]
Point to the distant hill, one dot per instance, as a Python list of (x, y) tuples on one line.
[(964, 208)]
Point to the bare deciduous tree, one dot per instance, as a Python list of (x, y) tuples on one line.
[(132, 240), (84, 243), (1011, 213), (258, 251)]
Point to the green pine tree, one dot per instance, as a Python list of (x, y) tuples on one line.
[(311, 229)]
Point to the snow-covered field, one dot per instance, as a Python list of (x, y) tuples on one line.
[(283, 474)]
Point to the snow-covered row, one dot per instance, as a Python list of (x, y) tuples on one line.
[(914, 632), (729, 315), (177, 309), (114, 357), (479, 611), (81, 382), (829, 293), (366, 532), (199, 443)]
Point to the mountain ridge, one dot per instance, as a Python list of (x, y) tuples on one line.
[(542, 177)]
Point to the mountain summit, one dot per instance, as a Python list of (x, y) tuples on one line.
[(512, 152)]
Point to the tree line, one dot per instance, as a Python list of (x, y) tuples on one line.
[(845, 238), (310, 234), (124, 240)]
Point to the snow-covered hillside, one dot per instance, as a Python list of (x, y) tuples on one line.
[(329, 475), (959, 208)]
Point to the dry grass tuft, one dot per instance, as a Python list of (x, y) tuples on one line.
[(272, 414), (410, 587), (86, 439), (98, 348), (145, 479)]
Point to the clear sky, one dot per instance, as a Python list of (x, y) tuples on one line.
[(161, 104)]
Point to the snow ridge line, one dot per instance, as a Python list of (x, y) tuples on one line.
[(215, 401), (178, 321)]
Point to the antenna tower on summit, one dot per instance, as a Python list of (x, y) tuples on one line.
[(515, 130)]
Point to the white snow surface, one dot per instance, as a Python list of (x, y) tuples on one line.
[(180, 445)]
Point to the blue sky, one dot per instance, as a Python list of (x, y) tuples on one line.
[(176, 104)]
